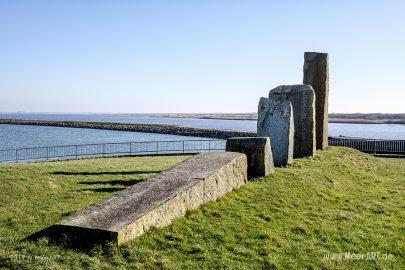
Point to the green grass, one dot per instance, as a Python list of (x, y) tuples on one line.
[(340, 201)]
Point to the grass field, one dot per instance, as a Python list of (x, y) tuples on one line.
[(340, 201)]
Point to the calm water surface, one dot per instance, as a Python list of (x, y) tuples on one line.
[(240, 125), (12, 136), (15, 136)]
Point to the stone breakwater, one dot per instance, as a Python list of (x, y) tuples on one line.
[(136, 127)]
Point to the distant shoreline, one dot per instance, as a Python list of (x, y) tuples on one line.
[(349, 118), (333, 118), (363, 121)]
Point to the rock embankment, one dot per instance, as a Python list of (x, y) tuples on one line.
[(136, 127)]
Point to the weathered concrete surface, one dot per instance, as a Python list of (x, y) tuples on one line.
[(258, 152), (276, 121), (316, 74), (158, 200), (302, 98)]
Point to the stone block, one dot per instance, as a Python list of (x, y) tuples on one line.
[(316, 74), (276, 121), (156, 202), (258, 152), (302, 99)]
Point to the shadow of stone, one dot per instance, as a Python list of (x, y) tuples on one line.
[(101, 190), (125, 183), (101, 173), (72, 238)]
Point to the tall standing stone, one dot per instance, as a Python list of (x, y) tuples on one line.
[(316, 74), (302, 98), (276, 121)]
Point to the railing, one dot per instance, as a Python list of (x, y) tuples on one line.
[(111, 149), (376, 147), (371, 146)]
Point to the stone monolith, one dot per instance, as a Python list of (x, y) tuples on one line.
[(276, 121), (316, 74), (302, 99)]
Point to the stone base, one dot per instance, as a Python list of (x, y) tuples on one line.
[(258, 152), (159, 200)]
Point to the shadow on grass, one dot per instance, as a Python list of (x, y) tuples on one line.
[(102, 190), (102, 173), (71, 238), (123, 183), (113, 182)]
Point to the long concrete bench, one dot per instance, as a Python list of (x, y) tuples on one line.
[(156, 202)]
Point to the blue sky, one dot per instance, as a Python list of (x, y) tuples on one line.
[(195, 56)]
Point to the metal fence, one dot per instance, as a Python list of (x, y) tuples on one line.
[(376, 147), (371, 146), (111, 149)]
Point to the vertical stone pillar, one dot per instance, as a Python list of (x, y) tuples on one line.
[(316, 74), (302, 98), (276, 121)]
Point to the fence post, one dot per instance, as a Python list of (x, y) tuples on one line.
[(157, 148), (47, 153), (103, 149), (209, 146), (183, 147), (130, 149), (375, 146), (76, 151), (16, 155)]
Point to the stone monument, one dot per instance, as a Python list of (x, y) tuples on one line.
[(276, 121), (258, 152), (316, 74), (157, 201), (302, 99)]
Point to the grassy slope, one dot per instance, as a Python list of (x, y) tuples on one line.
[(340, 201)]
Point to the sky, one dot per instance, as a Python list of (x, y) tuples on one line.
[(196, 56)]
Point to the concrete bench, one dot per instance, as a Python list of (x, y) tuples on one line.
[(156, 202)]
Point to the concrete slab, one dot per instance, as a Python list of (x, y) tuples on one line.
[(159, 200)]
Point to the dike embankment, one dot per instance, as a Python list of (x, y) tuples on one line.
[(135, 127)]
